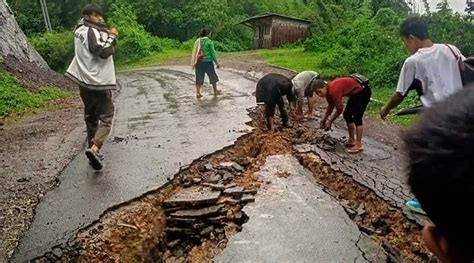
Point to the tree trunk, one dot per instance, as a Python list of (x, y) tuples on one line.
[(19, 58)]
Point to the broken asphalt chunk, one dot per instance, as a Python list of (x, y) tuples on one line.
[(217, 187), (226, 176), (203, 212), (248, 199), (211, 177), (360, 210), (192, 196), (235, 191)]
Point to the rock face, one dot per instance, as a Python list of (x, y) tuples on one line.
[(13, 42), (19, 58)]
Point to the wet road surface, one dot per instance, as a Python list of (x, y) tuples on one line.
[(293, 220), (159, 127)]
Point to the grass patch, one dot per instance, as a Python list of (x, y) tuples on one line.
[(299, 60), (155, 59), (15, 99)]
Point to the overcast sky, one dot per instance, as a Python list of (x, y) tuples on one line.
[(456, 5)]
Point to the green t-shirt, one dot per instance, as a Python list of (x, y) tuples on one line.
[(207, 46)]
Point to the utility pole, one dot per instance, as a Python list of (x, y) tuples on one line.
[(47, 22)]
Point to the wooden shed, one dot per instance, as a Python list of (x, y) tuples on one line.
[(271, 30)]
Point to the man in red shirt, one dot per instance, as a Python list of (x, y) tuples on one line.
[(359, 96)]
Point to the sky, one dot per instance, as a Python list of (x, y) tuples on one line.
[(456, 5)]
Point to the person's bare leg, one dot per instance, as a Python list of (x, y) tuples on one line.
[(270, 124), (198, 91), (359, 132), (358, 143), (351, 128), (216, 91)]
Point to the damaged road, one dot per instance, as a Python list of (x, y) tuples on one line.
[(293, 219), (159, 128), (285, 196)]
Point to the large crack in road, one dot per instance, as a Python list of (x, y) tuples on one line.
[(305, 207)]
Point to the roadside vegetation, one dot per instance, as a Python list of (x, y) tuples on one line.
[(15, 99), (347, 35)]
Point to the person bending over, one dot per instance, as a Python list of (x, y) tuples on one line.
[(359, 94), (304, 85), (271, 90)]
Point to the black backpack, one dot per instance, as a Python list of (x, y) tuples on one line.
[(363, 80), (466, 68)]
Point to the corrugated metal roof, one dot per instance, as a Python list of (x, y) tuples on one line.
[(276, 15)]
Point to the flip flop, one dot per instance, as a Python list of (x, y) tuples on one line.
[(355, 151), (198, 96), (347, 144), (218, 92)]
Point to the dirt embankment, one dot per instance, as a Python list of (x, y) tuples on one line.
[(34, 77)]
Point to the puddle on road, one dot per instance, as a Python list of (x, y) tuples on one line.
[(148, 229)]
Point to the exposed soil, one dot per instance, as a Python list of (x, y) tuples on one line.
[(36, 149), (33, 153), (34, 77), (136, 230)]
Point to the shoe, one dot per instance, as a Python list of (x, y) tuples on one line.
[(101, 157), (415, 206), (95, 159)]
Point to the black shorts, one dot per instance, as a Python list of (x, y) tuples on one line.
[(204, 68), (357, 105)]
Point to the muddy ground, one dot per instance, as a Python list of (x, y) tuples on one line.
[(36, 149), (33, 152)]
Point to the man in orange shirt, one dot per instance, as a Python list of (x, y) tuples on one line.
[(358, 90)]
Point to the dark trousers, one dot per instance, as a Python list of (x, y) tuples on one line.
[(270, 110), (204, 68), (356, 106), (98, 113)]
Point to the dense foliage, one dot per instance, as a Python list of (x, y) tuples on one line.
[(354, 35), (56, 48), (16, 99)]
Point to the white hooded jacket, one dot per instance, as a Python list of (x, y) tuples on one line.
[(93, 64)]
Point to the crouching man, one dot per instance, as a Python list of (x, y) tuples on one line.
[(271, 90), (357, 88), (304, 85), (93, 70)]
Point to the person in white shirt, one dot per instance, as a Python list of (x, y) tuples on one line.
[(304, 85), (432, 69)]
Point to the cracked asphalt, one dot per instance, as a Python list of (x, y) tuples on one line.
[(159, 128), (379, 167)]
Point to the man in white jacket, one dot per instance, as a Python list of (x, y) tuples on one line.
[(93, 70)]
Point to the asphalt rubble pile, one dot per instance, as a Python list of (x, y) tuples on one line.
[(205, 208)]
